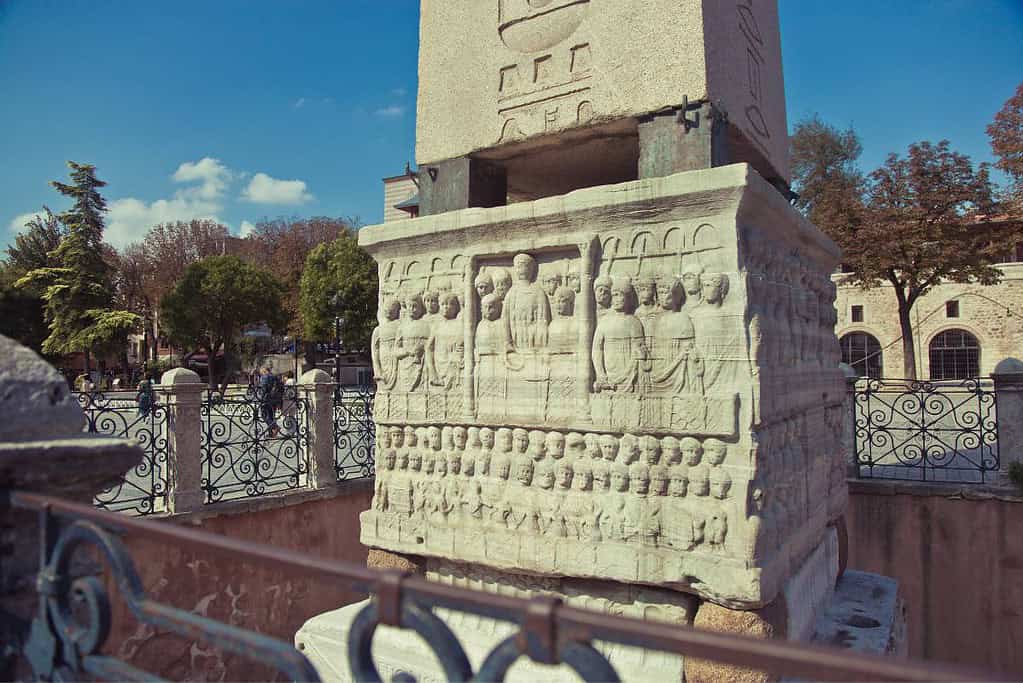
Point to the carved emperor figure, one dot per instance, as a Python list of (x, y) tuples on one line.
[(413, 335), (527, 313)]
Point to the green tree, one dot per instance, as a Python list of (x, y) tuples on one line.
[(23, 310), (826, 176), (1006, 133), (214, 300), (340, 279), (917, 220), (77, 287)]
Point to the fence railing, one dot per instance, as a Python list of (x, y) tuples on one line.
[(354, 432), (240, 443), (253, 444), (945, 431), (143, 490), (66, 640)]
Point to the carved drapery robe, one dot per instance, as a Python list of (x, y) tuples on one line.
[(410, 348), (491, 372), (447, 353), (678, 367), (385, 362), (527, 313), (620, 355)]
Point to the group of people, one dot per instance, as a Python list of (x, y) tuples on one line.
[(658, 492)]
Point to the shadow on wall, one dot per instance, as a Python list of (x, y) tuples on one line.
[(269, 601), (959, 562)]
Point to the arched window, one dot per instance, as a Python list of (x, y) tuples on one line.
[(863, 352), (955, 354)]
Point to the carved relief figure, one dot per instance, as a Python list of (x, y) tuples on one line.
[(527, 312), (692, 285), (602, 293), (620, 356), (383, 341), (484, 285), (678, 534), (502, 283), (446, 346), (646, 292), (563, 342), (678, 368), (717, 338), (410, 348), (717, 522), (431, 302), (491, 373), (551, 282)]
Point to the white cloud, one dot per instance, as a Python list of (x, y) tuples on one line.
[(17, 224), (246, 229), (391, 112), (129, 219), (214, 177), (299, 103), (263, 189)]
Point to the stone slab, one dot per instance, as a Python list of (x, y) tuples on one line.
[(498, 74), (34, 398), (323, 638), (867, 614)]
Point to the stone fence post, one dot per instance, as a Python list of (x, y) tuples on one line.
[(849, 424), (184, 389), (1008, 381), (319, 391), (42, 450)]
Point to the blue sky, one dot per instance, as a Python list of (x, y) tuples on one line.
[(242, 109)]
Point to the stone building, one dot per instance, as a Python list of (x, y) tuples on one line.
[(960, 330)]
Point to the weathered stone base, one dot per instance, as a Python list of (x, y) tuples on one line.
[(324, 638), (863, 612)]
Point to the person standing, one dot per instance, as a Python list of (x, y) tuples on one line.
[(145, 396), (270, 395)]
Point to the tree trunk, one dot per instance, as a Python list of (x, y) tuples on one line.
[(908, 345)]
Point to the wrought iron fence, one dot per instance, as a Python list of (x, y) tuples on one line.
[(926, 430), (66, 639), (253, 443), (143, 490), (354, 432)]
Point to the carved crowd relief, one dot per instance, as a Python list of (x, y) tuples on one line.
[(444, 485)]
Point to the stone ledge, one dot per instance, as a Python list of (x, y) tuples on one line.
[(275, 501), (889, 487)]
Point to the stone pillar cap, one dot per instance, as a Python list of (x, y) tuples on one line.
[(315, 376), (180, 376), (35, 401), (1009, 366)]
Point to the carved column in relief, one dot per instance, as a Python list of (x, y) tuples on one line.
[(586, 314), (470, 316)]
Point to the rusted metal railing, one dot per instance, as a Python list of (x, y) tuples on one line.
[(63, 644)]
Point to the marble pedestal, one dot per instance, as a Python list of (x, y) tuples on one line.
[(863, 612)]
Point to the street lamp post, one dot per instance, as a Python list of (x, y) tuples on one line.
[(339, 320)]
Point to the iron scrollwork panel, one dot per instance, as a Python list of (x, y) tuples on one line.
[(73, 619), (926, 431), (354, 433), (253, 445), (142, 490)]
